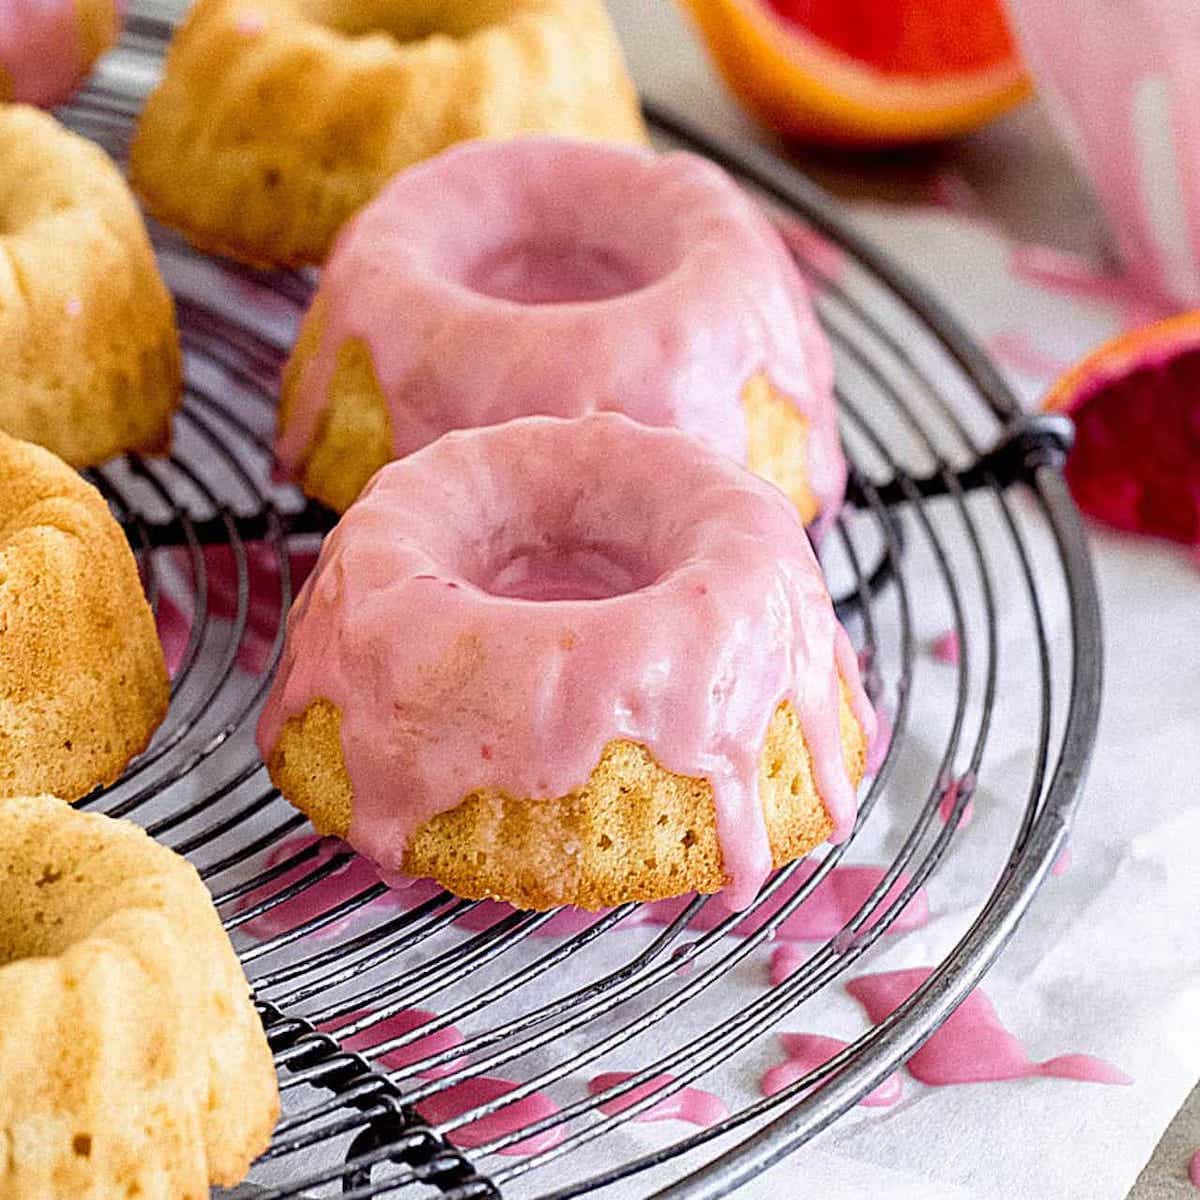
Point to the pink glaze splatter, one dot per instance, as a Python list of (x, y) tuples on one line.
[(1194, 1170), (972, 1046), (1063, 863), (786, 959), (946, 648), (711, 566), (560, 278), (345, 883), (693, 1105), (807, 1051), (396, 1026), (174, 630), (462, 1097), (951, 792)]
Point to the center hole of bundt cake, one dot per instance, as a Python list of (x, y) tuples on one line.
[(566, 572), (552, 273), (408, 21)]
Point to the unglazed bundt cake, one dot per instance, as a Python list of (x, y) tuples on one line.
[(83, 684), (132, 1062), (556, 277), (277, 119), (89, 353), (48, 46), (570, 662)]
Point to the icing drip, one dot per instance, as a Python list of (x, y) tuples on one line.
[(41, 56), (348, 881), (1194, 1170), (946, 648), (471, 1093), (972, 1046), (729, 617), (1062, 864), (951, 793), (545, 276), (396, 1026), (808, 1051), (689, 1104)]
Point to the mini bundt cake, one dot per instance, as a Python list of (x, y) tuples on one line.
[(277, 119), (83, 684), (570, 662), (132, 1062), (89, 353), (554, 277), (48, 46)]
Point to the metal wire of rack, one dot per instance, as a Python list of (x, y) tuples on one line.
[(952, 491)]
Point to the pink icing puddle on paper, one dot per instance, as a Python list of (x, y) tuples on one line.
[(688, 1104), (445, 1106), (972, 1046), (1194, 1170), (786, 960), (396, 1026), (1062, 864), (344, 884), (807, 1051), (946, 648), (950, 797), (174, 628)]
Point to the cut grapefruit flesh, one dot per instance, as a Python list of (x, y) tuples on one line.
[(1136, 405), (865, 72)]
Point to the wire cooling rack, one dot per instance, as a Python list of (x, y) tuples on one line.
[(952, 492)]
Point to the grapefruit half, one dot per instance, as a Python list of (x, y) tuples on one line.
[(1136, 405), (865, 72)]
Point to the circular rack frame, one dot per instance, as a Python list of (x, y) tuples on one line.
[(957, 507)]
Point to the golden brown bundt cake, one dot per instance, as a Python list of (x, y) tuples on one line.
[(552, 276), (83, 684), (277, 119), (89, 353), (132, 1062), (570, 662)]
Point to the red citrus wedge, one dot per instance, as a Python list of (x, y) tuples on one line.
[(865, 72), (1136, 405)]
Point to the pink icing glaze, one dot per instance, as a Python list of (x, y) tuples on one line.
[(396, 1026), (972, 1046), (41, 56), (727, 615), (1062, 864), (807, 1051), (950, 797), (786, 960), (946, 648), (689, 1104), (545, 276), (1194, 1170), (462, 1097), (344, 884)]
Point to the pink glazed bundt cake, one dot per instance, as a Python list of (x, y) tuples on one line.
[(132, 1061), (89, 352), (83, 684), (47, 47), (277, 119), (570, 662), (551, 277)]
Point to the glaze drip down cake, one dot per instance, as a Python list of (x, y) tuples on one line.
[(543, 276), (570, 662)]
